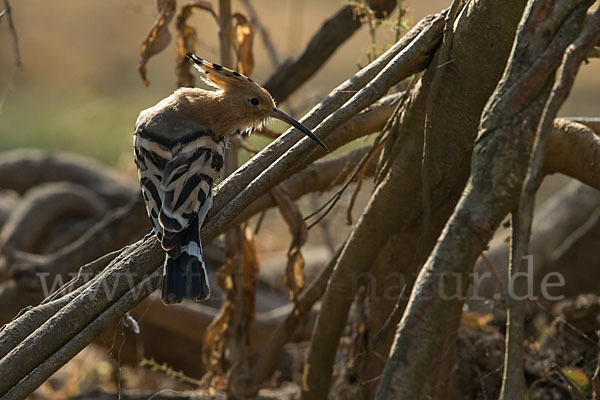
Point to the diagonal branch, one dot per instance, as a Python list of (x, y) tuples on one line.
[(334, 32), (13, 31), (66, 329), (317, 177), (403, 65), (428, 32), (86, 335), (307, 177)]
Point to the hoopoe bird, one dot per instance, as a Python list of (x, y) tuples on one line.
[(178, 147)]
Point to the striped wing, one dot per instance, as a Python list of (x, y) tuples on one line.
[(177, 178)]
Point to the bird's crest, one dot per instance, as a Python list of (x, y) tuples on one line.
[(220, 77), (252, 104)]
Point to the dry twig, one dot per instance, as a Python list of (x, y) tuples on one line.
[(335, 31), (15, 38), (271, 49)]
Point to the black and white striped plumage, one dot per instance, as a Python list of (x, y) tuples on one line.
[(179, 145), (177, 167)]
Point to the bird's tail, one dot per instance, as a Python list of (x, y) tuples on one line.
[(185, 276)]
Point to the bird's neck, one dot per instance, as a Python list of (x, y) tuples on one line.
[(211, 108)]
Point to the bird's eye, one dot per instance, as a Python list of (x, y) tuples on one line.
[(254, 101)]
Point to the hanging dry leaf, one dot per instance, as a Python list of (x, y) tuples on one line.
[(478, 321), (216, 342), (159, 36), (294, 272), (243, 34), (186, 40), (218, 335)]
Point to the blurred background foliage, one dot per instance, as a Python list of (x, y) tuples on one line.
[(80, 90)]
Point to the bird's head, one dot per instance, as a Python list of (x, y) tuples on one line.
[(250, 104)]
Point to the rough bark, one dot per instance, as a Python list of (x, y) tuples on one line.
[(563, 219), (513, 382), (499, 164), (398, 209)]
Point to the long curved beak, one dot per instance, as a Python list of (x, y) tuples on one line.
[(277, 113)]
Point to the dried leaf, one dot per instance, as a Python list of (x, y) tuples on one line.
[(159, 36), (577, 376), (220, 332), (224, 280), (294, 272), (243, 38), (477, 320), (186, 40), (251, 270), (217, 334), (216, 341)]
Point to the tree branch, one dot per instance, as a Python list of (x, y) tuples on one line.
[(504, 140), (513, 380), (146, 257), (20, 170), (428, 30), (13, 31), (307, 177), (68, 350), (335, 31), (592, 123), (41, 209), (574, 149), (400, 67), (265, 365), (393, 213), (558, 225), (441, 61), (116, 230), (107, 290)]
